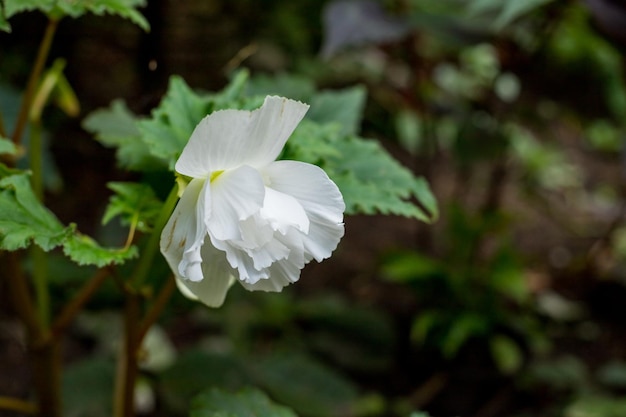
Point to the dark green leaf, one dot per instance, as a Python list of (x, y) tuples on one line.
[(194, 371), (372, 181), (134, 203), (116, 127), (57, 9), (306, 385), (85, 251), (7, 147), (24, 220), (344, 107), (506, 353), (167, 131), (248, 402)]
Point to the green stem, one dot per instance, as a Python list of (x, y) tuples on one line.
[(40, 276), (152, 246), (33, 79)]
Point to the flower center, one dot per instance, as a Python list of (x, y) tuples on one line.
[(215, 174)]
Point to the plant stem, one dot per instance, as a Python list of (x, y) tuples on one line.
[(44, 351), (73, 307), (157, 307), (152, 246), (33, 79), (17, 404), (124, 393)]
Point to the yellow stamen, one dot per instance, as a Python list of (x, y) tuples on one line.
[(215, 174)]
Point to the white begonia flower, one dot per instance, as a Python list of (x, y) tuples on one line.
[(243, 214)]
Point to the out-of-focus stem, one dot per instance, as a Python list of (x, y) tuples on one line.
[(33, 79), (18, 405), (44, 351), (73, 307), (124, 393), (157, 307), (152, 246)]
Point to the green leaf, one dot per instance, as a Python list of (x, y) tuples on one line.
[(134, 203), (193, 371), (85, 251), (372, 181), (506, 353), (248, 402), (286, 85), (57, 9), (116, 127), (306, 385), (167, 131), (12, 7), (596, 406), (24, 220), (7, 146), (344, 107)]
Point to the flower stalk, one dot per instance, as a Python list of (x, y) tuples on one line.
[(33, 79)]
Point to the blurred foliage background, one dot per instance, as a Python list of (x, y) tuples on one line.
[(511, 304)]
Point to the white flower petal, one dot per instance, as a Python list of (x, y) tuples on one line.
[(184, 233), (283, 211), (236, 195), (218, 279), (281, 274), (320, 198), (228, 138)]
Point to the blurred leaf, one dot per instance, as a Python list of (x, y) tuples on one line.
[(597, 406), (409, 130), (116, 127), (344, 107), (248, 402), (194, 371), (506, 11), (286, 85), (411, 267), (168, 130), (7, 146), (605, 136), (464, 327), (306, 385), (424, 323), (563, 373), (355, 337), (506, 353), (88, 388), (134, 203), (613, 374), (359, 22)]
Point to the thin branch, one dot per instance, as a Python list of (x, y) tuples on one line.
[(33, 79), (68, 313), (18, 405), (157, 307)]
